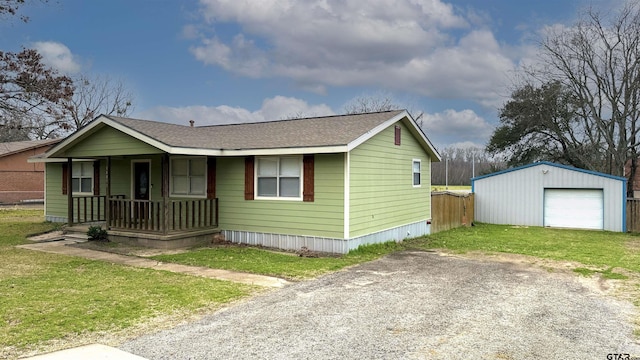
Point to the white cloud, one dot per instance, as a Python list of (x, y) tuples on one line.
[(58, 56), (190, 31), (461, 126), (278, 107), (419, 46)]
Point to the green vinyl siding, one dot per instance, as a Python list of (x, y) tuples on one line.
[(322, 217), (108, 141), (121, 177), (56, 202), (382, 195)]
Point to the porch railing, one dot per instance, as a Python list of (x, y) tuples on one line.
[(88, 209), (152, 216)]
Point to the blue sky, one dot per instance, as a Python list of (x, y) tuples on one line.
[(223, 61)]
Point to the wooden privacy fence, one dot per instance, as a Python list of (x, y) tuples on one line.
[(633, 215), (450, 210)]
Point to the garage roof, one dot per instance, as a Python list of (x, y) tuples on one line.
[(550, 164)]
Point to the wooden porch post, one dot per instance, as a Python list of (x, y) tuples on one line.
[(165, 193), (107, 204), (69, 180)]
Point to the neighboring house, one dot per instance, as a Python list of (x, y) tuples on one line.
[(553, 195), (326, 183), (21, 181)]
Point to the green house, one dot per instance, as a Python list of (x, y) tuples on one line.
[(326, 183)]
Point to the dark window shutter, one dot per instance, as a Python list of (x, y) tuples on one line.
[(397, 134), (308, 186), (65, 176), (248, 177), (211, 178), (96, 177)]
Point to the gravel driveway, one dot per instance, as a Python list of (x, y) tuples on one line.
[(412, 305)]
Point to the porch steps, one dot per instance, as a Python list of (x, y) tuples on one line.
[(77, 233), (76, 237)]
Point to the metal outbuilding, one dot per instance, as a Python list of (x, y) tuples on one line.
[(552, 195)]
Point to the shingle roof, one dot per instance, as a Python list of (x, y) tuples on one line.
[(13, 147), (328, 134), (307, 132)]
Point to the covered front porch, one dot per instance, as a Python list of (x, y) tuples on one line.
[(148, 215), (161, 217)]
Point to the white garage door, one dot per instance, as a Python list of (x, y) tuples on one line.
[(574, 208)]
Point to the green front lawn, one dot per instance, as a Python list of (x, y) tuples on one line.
[(596, 248), (606, 250), (47, 298), (280, 264)]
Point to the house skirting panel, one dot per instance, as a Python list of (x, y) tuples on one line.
[(324, 244), (287, 242), (55, 219), (396, 234)]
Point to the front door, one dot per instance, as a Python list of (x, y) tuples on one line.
[(141, 183)]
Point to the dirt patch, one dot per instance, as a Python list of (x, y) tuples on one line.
[(628, 289), (633, 245)]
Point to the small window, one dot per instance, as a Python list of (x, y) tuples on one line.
[(188, 176), (416, 173), (398, 133), (82, 178), (279, 177)]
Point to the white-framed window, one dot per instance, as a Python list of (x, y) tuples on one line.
[(279, 177), (189, 176), (82, 178), (416, 171)]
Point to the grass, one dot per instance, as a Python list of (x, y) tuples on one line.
[(46, 297), (289, 266), (607, 274), (602, 249)]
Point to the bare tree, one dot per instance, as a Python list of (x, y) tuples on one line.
[(31, 93), (462, 164), (377, 103), (94, 96), (15, 132), (373, 103), (598, 61), (29, 90), (12, 7)]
